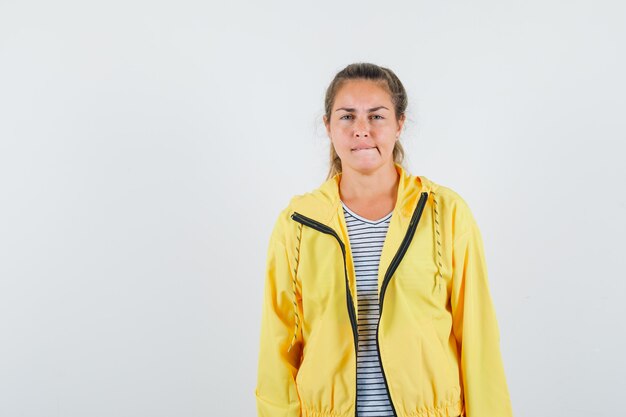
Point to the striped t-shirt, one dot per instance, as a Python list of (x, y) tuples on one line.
[(366, 242)]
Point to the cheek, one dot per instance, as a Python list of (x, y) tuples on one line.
[(341, 137), (340, 143)]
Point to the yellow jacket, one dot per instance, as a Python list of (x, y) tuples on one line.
[(438, 336)]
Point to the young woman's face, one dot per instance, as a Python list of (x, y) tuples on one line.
[(362, 126)]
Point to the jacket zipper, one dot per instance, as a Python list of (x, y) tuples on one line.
[(417, 214), (329, 230)]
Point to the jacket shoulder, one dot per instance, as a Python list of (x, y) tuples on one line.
[(285, 228), (454, 208), (448, 195)]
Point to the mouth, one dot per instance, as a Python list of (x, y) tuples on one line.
[(363, 148)]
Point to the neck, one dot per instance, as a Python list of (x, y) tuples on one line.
[(355, 185)]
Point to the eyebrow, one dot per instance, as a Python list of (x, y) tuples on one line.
[(370, 110)]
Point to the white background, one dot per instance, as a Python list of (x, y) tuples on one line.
[(146, 148)]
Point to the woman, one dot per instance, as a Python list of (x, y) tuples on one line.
[(376, 296)]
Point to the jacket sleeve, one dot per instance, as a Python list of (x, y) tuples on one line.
[(474, 324), (276, 393)]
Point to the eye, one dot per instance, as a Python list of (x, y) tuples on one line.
[(345, 115), (378, 115)]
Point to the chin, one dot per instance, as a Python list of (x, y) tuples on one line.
[(365, 166)]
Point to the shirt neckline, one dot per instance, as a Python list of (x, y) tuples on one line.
[(363, 219)]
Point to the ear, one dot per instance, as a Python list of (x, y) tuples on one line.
[(327, 125), (401, 120)]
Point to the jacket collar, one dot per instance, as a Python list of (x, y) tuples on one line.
[(324, 203)]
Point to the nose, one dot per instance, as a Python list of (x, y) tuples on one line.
[(361, 129)]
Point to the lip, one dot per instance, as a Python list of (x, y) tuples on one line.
[(363, 148)]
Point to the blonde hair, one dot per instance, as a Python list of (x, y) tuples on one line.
[(373, 72)]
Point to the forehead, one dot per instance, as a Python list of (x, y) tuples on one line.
[(362, 92)]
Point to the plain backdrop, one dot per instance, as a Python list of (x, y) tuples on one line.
[(146, 148)]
